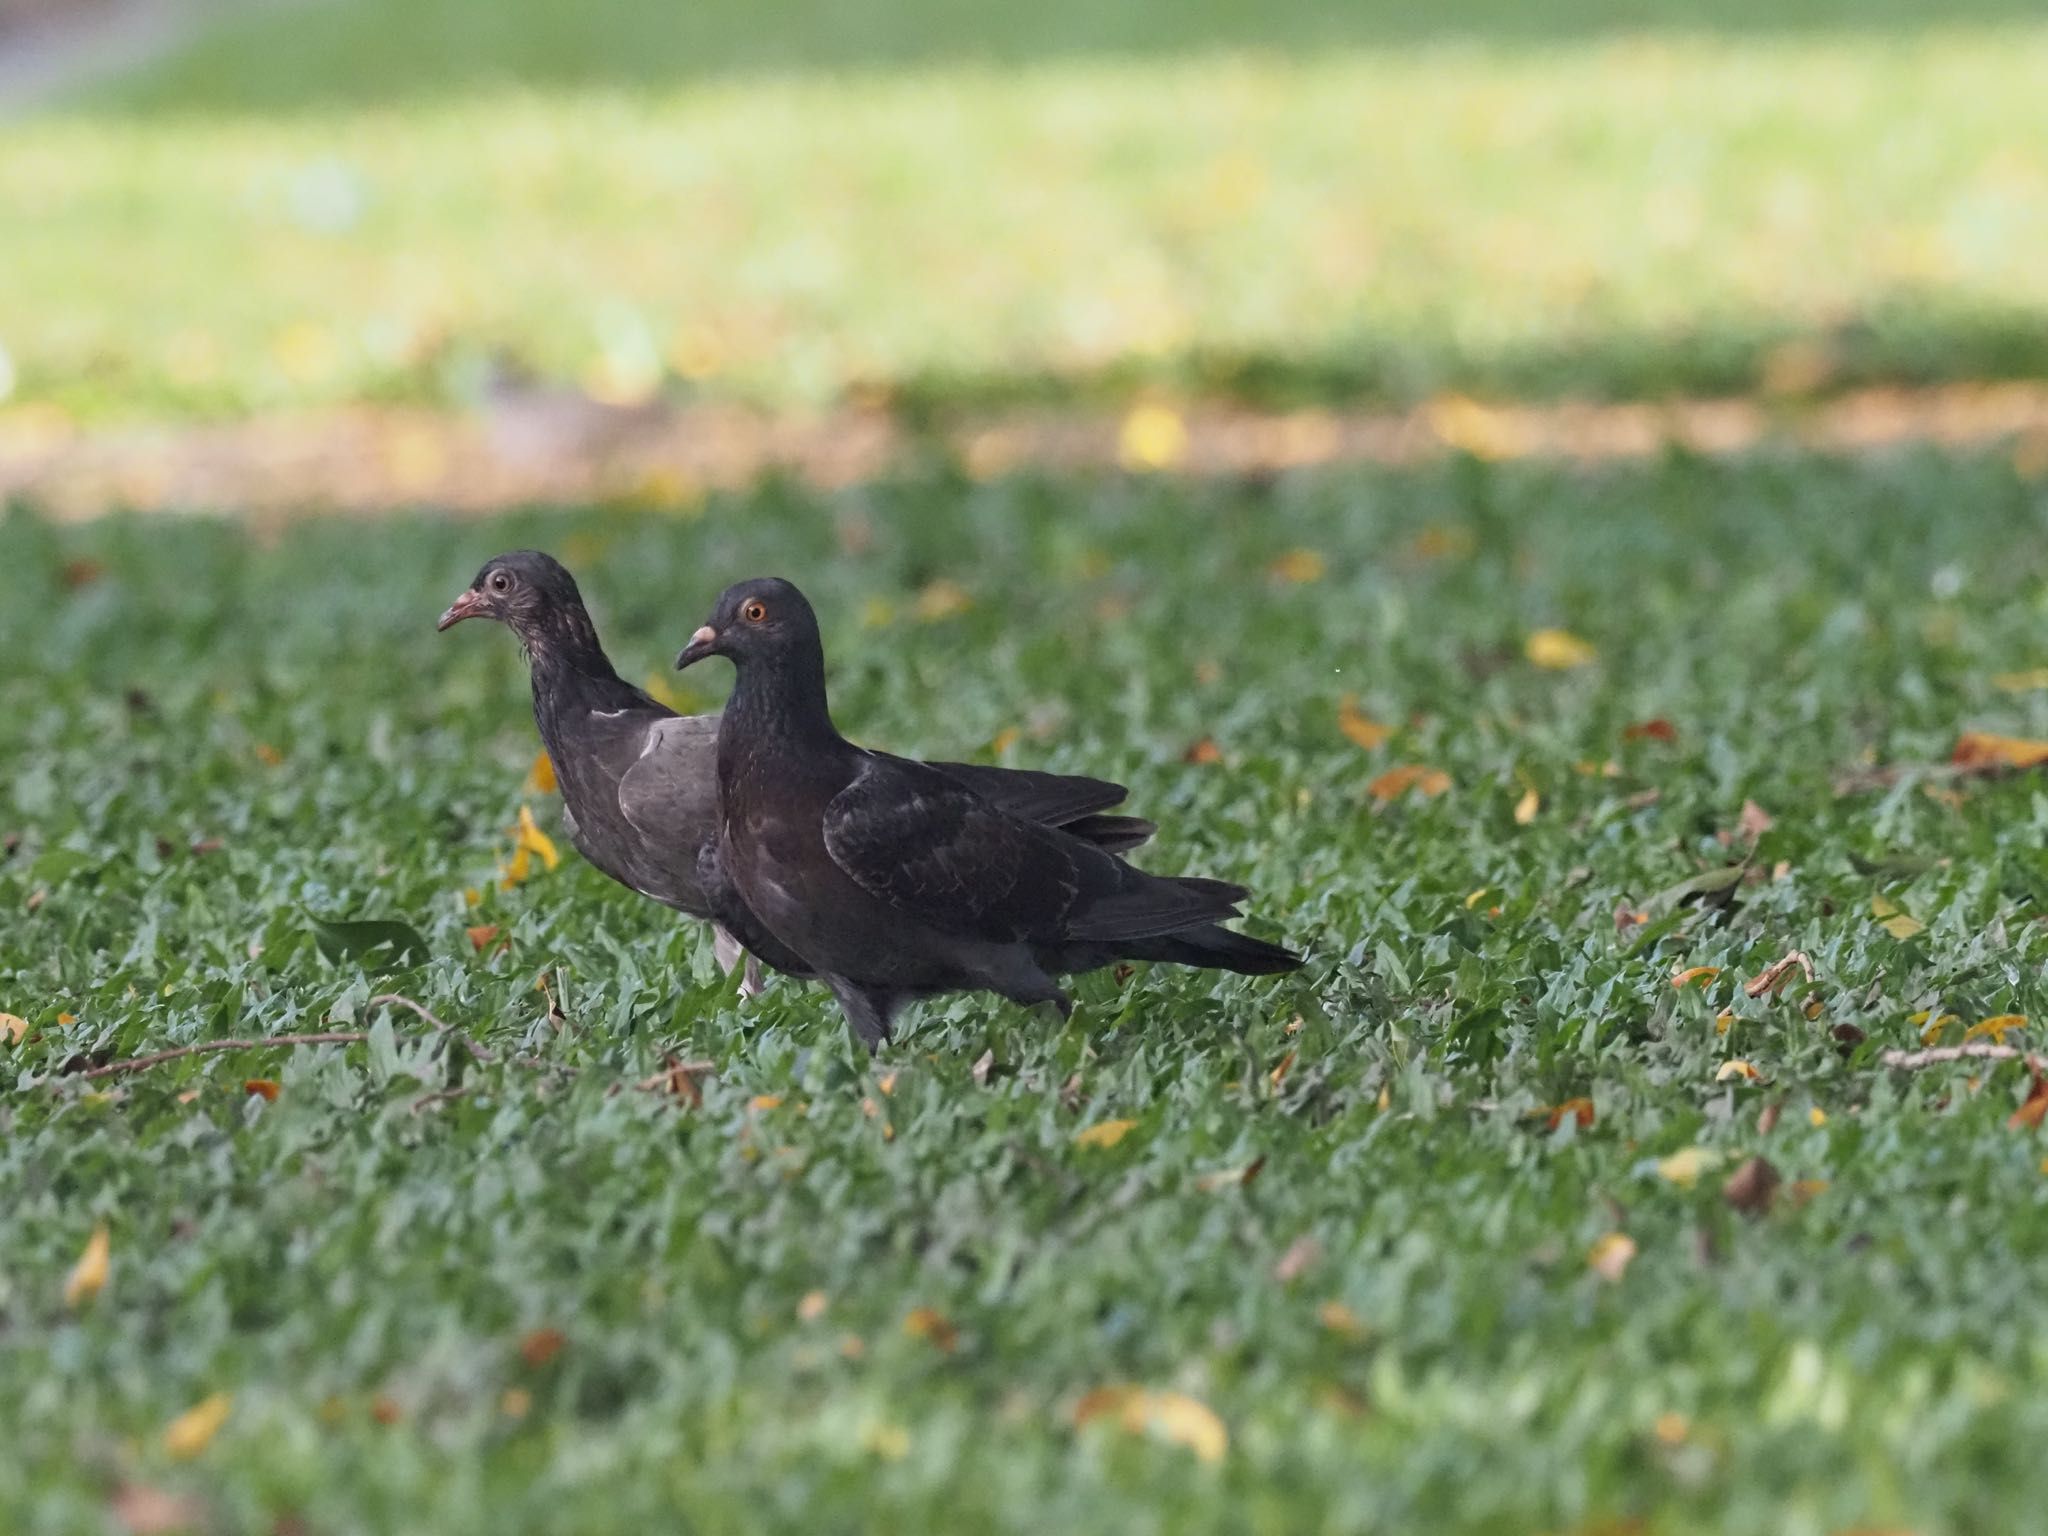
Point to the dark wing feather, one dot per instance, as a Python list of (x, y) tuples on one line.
[(942, 854), (914, 837), (1051, 798)]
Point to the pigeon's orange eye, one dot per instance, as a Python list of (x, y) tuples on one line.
[(754, 610)]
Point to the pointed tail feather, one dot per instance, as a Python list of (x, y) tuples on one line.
[(1112, 834), (1212, 947)]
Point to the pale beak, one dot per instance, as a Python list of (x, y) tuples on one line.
[(468, 606), (702, 644)]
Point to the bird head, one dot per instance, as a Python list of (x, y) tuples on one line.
[(526, 590), (759, 620)]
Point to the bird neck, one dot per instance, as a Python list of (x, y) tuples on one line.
[(572, 672), (778, 707)]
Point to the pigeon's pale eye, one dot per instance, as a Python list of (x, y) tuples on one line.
[(500, 582), (754, 610)]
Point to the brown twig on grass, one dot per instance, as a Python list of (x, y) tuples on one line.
[(1973, 1050), (673, 1069), (137, 1063), (399, 1000)]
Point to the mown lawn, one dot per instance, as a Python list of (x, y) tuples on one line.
[(1339, 1221), (939, 204)]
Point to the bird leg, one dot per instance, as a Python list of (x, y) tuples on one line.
[(870, 1013)]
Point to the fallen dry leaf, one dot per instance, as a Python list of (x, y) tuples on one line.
[(942, 599), (1983, 751), (1899, 924), (541, 777), (2029, 1115), (1752, 1187), (1996, 1027), (1367, 733), (13, 1027), (1753, 821), (1650, 730), (531, 839), (1104, 1133), (1527, 807), (537, 1346), (1558, 649), (812, 1307), (1738, 1068), (1340, 1319), (144, 1511), (88, 1276), (1301, 1254), (481, 935), (1153, 436), (1580, 1110), (1171, 1416), (931, 1325), (1772, 977), (1610, 1257), (1397, 781), (1702, 974), (1685, 1166), (516, 1403), (265, 1088), (1203, 752), (1484, 431), (1299, 566), (193, 1430)]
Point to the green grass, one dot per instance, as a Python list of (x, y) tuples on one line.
[(1871, 1358), (328, 204)]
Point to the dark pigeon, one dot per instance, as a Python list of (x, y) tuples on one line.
[(638, 780), (895, 881)]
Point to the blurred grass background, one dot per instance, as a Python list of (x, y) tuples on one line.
[(797, 203)]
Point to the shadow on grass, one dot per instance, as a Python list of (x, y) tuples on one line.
[(285, 58), (1918, 343)]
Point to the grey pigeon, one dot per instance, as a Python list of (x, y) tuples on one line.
[(638, 780), (893, 881)]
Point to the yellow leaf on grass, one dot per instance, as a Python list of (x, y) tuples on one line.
[(541, 777), (1171, 1416), (1684, 1168), (1483, 431), (1104, 1133), (942, 599), (1702, 974), (1368, 733), (1900, 925), (1153, 437), (1738, 1068), (1724, 1021), (1527, 807), (1340, 1319), (1609, 1258), (1996, 1027), (1981, 749), (1816, 1117), (193, 1430), (1558, 649), (13, 1027), (1299, 566), (531, 839), (1397, 781), (88, 1276)]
